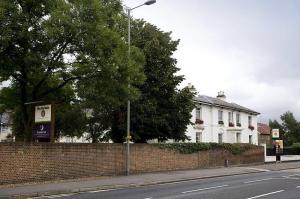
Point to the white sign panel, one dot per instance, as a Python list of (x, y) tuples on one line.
[(43, 113), (275, 133)]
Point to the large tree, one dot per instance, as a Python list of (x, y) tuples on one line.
[(289, 128), (163, 111), (48, 46)]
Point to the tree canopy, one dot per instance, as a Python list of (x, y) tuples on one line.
[(48, 46), (163, 111), (74, 53), (289, 128)]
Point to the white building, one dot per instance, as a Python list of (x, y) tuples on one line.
[(5, 127), (216, 120)]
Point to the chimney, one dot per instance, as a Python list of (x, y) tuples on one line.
[(221, 95), (191, 88)]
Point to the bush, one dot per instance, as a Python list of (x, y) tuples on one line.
[(296, 145), (188, 148)]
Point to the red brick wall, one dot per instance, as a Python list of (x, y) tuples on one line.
[(34, 162)]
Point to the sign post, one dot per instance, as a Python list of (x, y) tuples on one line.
[(44, 121), (277, 144)]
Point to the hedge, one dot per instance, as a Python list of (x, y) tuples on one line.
[(188, 148)]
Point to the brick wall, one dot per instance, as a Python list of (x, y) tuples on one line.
[(35, 162)]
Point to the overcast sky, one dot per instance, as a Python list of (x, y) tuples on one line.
[(248, 48)]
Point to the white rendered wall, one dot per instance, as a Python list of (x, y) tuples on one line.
[(210, 128)]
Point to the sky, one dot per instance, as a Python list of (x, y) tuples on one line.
[(250, 49)]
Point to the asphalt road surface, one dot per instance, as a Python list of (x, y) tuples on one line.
[(266, 185)]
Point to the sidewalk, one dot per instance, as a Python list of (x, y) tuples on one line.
[(284, 158), (83, 185)]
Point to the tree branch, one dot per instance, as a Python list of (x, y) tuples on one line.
[(55, 58), (66, 81)]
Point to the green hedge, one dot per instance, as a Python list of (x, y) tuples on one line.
[(296, 145), (188, 148)]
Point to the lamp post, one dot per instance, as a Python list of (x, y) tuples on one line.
[(149, 2)]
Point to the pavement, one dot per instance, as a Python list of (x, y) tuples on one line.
[(101, 183), (284, 158)]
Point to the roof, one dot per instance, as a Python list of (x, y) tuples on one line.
[(263, 129), (203, 99)]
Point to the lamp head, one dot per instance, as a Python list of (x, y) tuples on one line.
[(150, 2)]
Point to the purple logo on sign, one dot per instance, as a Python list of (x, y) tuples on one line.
[(41, 131)]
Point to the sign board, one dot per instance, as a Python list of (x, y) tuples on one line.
[(41, 131), (42, 113), (275, 133), (278, 143)]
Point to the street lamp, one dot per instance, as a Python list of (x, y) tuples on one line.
[(149, 2)]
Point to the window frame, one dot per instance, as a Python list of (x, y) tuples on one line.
[(249, 120), (220, 115), (238, 119), (198, 137), (198, 112), (220, 138)]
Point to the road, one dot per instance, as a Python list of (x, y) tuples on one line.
[(266, 185)]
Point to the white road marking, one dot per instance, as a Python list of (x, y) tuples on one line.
[(257, 169), (149, 198), (259, 196), (289, 176), (60, 195), (204, 189), (101, 190), (258, 180), (298, 187)]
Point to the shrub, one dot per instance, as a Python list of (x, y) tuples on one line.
[(188, 148), (296, 145)]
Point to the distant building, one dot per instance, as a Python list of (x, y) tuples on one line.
[(264, 134), (5, 127), (216, 120)]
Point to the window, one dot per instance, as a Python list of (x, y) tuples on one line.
[(220, 138), (250, 139), (198, 114), (220, 115), (249, 120), (230, 117), (238, 120), (198, 137), (238, 137)]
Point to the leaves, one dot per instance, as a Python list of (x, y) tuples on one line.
[(289, 128), (63, 51), (189, 148), (162, 111)]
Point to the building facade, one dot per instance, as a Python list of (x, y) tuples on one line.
[(264, 134), (216, 120)]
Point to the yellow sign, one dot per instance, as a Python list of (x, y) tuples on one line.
[(278, 143)]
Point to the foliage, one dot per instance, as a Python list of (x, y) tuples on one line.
[(296, 145), (163, 111), (188, 148), (289, 128), (70, 120), (50, 47)]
